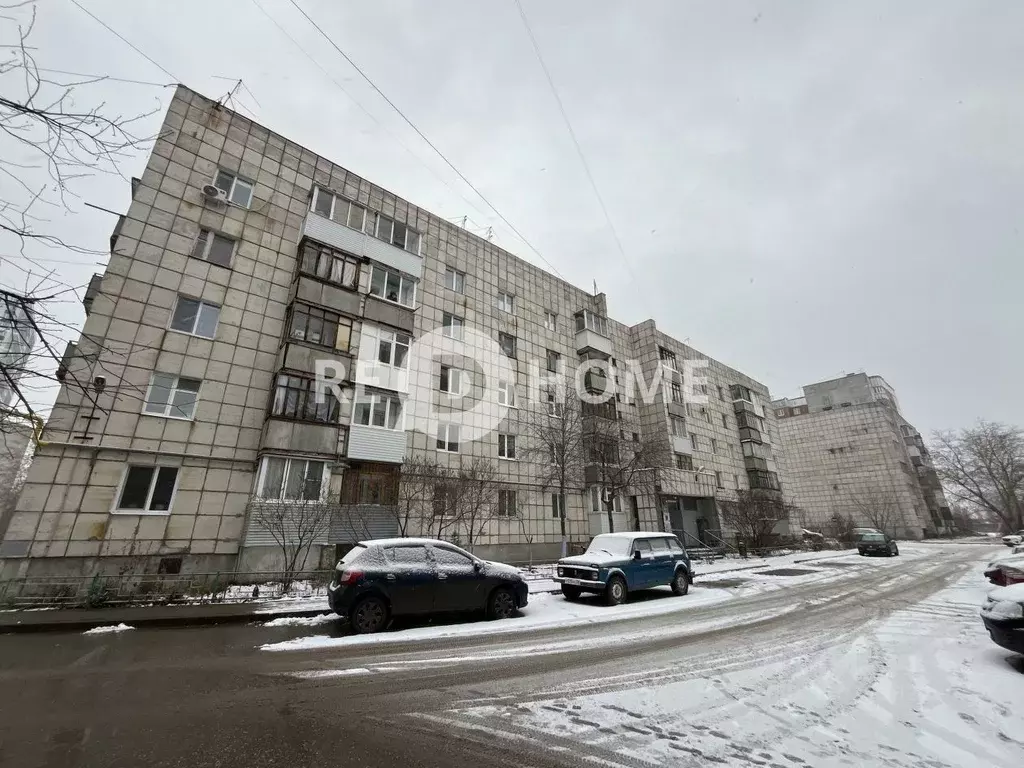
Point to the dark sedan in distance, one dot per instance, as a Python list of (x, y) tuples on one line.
[(877, 544), (382, 578)]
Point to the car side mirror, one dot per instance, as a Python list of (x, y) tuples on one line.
[(636, 554), (478, 565)]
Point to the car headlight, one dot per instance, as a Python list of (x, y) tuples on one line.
[(561, 571)]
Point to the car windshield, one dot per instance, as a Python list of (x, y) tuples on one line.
[(612, 545), (874, 537)]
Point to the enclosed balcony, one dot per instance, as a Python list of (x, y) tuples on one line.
[(592, 333), (392, 252)]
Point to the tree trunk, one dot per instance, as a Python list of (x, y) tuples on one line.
[(611, 512)]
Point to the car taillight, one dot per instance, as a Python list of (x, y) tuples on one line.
[(350, 576)]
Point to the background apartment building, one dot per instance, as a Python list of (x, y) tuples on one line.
[(849, 451), (244, 262)]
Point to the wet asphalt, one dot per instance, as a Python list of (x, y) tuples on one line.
[(207, 696)]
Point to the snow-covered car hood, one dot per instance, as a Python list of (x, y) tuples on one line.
[(1014, 593), (1012, 560), (1004, 603), (597, 559), (502, 569)]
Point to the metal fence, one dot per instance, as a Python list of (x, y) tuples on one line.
[(162, 589)]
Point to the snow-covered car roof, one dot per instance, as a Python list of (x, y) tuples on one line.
[(409, 540), (1015, 561), (1013, 593), (634, 535)]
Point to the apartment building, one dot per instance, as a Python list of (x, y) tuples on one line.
[(17, 337), (245, 273), (850, 451)]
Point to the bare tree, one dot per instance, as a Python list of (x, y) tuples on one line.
[(840, 527), (983, 466), (554, 443), (879, 507), (295, 526), (753, 514), (617, 465), (52, 135), (414, 511), (474, 491)]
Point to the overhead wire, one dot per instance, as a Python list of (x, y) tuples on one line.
[(423, 136), (575, 140), (124, 40)]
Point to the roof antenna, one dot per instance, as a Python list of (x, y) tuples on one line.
[(595, 287)]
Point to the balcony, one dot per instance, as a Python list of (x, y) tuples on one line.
[(591, 341), (595, 382), (91, 292), (360, 244), (746, 406), (301, 357), (682, 445), (376, 444), (756, 463), (748, 433), (303, 437), (605, 410)]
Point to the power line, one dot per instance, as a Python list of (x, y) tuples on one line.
[(105, 77), (575, 141), (420, 133), (123, 39)]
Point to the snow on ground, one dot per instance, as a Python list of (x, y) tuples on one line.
[(924, 686), (107, 629), (543, 612), (302, 621)]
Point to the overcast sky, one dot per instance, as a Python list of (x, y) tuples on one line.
[(801, 189)]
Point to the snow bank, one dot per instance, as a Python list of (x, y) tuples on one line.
[(302, 621), (122, 627)]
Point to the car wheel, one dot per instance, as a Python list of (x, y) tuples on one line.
[(369, 615), (571, 593), (862, 553), (680, 583), (615, 593), (502, 604), (895, 551)]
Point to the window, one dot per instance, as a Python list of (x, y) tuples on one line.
[(408, 555), (448, 437), (319, 326), (445, 556), (439, 501), (396, 233), (213, 247), (295, 397), (506, 302), (338, 208), (506, 503), (678, 426), (291, 479), (374, 409), (585, 319), (683, 461), (694, 442), (558, 505), (147, 489), (392, 286), (736, 481), (676, 392), (454, 280), (238, 191), (667, 357), (718, 479), (643, 546), (507, 344), (721, 393), (453, 380), (554, 407), (659, 545), (392, 346), (330, 265), (732, 450), (506, 394), (451, 326), (553, 359), (195, 317), (507, 446), (171, 396), (636, 437), (550, 321), (714, 445), (725, 421), (706, 414)]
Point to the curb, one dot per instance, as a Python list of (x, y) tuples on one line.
[(73, 624)]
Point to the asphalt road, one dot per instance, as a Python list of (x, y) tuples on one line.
[(208, 697)]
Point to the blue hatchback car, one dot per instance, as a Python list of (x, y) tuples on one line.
[(617, 563)]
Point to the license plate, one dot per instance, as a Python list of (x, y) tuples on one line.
[(572, 582)]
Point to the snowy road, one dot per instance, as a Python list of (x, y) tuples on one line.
[(840, 662)]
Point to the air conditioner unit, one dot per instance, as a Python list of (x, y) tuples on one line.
[(214, 194)]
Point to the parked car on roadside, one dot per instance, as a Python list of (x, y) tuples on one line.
[(617, 563), (1006, 570), (1013, 539), (1003, 616), (383, 578), (877, 544)]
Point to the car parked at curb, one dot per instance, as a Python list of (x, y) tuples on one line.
[(383, 578), (616, 564), (1004, 571), (877, 544), (1003, 616), (1013, 539)]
